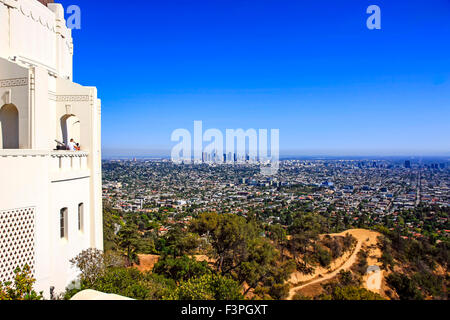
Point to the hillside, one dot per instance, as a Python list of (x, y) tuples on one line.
[(377, 267)]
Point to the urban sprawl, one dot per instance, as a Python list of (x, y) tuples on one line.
[(368, 191)]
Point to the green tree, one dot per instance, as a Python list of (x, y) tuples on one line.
[(229, 235), (278, 235), (404, 286), (353, 293), (21, 288), (346, 278), (179, 242), (129, 241), (110, 222), (181, 269), (431, 284), (207, 287), (322, 255), (243, 254)]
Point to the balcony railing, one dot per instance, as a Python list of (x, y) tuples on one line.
[(15, 153), (62, 164), (69, 160)]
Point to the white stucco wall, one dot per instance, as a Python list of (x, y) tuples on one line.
[(36, 76), (34, 33)]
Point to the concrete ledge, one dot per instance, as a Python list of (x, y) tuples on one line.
[(23, 153), (35, 153), (67, 176), (96, 295)]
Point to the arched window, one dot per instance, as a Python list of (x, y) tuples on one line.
[(9, 127), (63, 223), (70, 129), (81, 217)]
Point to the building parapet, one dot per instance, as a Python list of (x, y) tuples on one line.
[(6, 153), (63, 165), (42, 153), (69, 165)]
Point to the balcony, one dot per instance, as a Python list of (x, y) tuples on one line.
[(68, 165), (69, 160), (63, 165)]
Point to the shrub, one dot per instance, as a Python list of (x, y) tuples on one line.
[(128, 282), (353, 293), (91, 263), (21, 288), (323, 256), (207, 287), (181, 269), (404, 286)]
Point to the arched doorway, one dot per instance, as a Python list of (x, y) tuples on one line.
[(71, 128), (9, 127)]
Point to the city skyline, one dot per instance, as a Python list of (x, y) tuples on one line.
[(303, 154), (329, 84)]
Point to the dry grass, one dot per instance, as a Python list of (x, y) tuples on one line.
[(366, 239), (147, 262)]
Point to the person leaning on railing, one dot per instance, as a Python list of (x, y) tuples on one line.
[(73, 146)]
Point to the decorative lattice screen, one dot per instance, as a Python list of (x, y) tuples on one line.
[(16, 241)]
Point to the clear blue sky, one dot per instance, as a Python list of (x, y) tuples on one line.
[(309, 68)]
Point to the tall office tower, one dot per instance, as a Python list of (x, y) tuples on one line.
[(51, 201), (408, 164)]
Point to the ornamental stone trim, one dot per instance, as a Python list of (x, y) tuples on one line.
[(16, 82), (69, 98)]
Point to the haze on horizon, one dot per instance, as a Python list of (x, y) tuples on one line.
[(344, 154)]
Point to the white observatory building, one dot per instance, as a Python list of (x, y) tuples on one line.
[(50, 201)]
